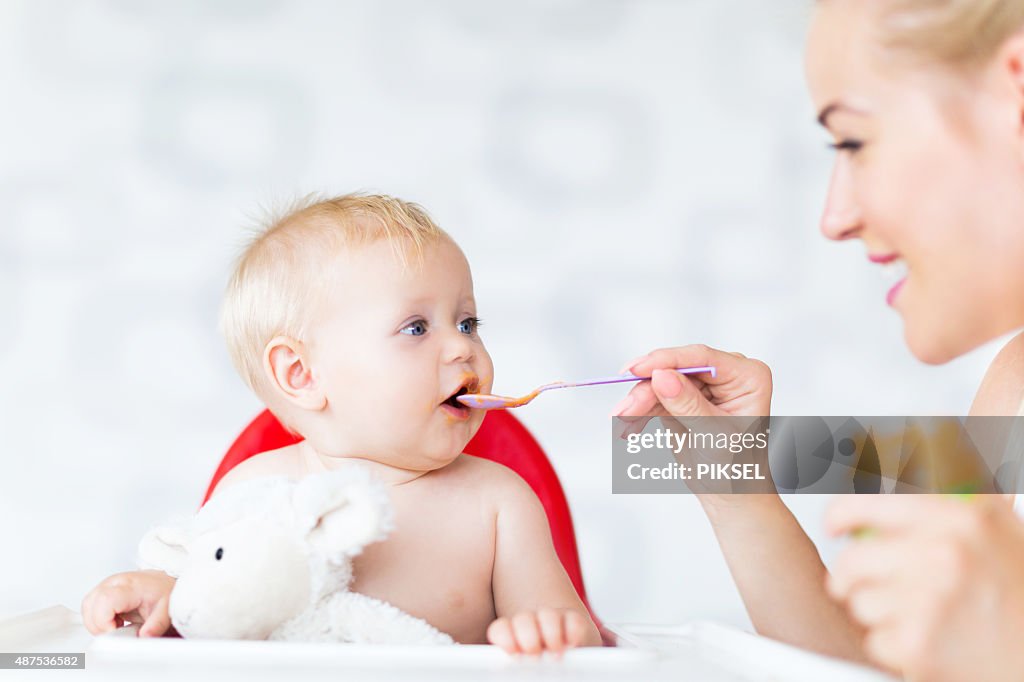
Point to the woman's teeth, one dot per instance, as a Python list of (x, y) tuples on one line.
[(894, 271)]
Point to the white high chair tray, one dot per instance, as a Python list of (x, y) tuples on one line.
[(700, 651)]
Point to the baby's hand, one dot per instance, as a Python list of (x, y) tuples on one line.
[(138, 596), (534, 632)]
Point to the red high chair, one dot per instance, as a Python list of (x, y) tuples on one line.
[(502, 438)]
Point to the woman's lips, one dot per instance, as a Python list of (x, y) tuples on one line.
[(890, 297), (894, 269)]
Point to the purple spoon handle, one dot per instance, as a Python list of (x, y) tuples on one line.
[(628, 376), (483, 401)]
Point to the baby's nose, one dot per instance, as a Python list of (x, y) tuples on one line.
[(459, 349)]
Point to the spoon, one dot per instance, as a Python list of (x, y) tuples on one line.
[(483, 401)]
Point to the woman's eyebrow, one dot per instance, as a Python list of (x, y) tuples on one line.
[(832, 108)]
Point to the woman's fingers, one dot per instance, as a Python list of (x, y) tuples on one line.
[(630, 363), (865, 562), (644, 400), (874, 605), (667, 393), (727, 365), (898, 513), (884, 646), (679, 396), (741, 386), (636, 409)]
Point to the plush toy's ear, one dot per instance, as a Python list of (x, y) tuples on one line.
[(341, 512), (164, 548)]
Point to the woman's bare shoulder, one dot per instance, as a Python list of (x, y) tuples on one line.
[(1002, 389)]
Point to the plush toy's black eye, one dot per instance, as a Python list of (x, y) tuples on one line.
[(219, 554)]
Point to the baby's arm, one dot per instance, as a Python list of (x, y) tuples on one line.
[(139, 596), (537, 606)]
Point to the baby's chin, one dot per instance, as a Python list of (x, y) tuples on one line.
[(423, 461), (420, 455)]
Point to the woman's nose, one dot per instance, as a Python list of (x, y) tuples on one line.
[(841, 218)]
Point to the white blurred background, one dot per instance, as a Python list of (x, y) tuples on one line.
[(622, 176)]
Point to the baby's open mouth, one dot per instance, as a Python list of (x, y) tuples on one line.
[(452, 398), (469, 385)]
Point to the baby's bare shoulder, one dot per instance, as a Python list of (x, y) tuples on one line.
[(281, 462), (499, 481)]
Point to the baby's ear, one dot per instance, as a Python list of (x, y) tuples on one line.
[(164, 548), (286, 363), (341, 512)]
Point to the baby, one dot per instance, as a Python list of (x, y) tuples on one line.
[(353, 320)]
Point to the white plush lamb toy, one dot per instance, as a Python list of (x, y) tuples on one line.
[(271, 558)]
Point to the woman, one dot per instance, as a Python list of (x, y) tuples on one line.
[(925, 101)]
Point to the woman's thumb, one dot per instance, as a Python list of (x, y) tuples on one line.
[(678, 395)]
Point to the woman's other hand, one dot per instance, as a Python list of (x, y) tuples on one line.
[(937, 584)]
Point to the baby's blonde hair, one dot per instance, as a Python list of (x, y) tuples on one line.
[(963, 34), (282, 271)]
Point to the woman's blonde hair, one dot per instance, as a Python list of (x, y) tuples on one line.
[(281, 275), (959, 33)]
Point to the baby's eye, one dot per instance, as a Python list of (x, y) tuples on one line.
[(469, 325), (417, 328)]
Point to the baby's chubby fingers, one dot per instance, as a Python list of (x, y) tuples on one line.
[(575, 628), (526, 630), (532, 633), (104, 606), (499, 633), (158, 620), (136, 596), (552, 630)]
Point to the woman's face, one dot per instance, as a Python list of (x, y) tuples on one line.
[(929, 174)]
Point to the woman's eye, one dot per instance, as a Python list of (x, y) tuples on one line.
[(417, 328), (847, 145), (469, 325)]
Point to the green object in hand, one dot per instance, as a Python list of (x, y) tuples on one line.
[(867, 531)]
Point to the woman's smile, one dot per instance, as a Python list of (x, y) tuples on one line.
[(894, 269)]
